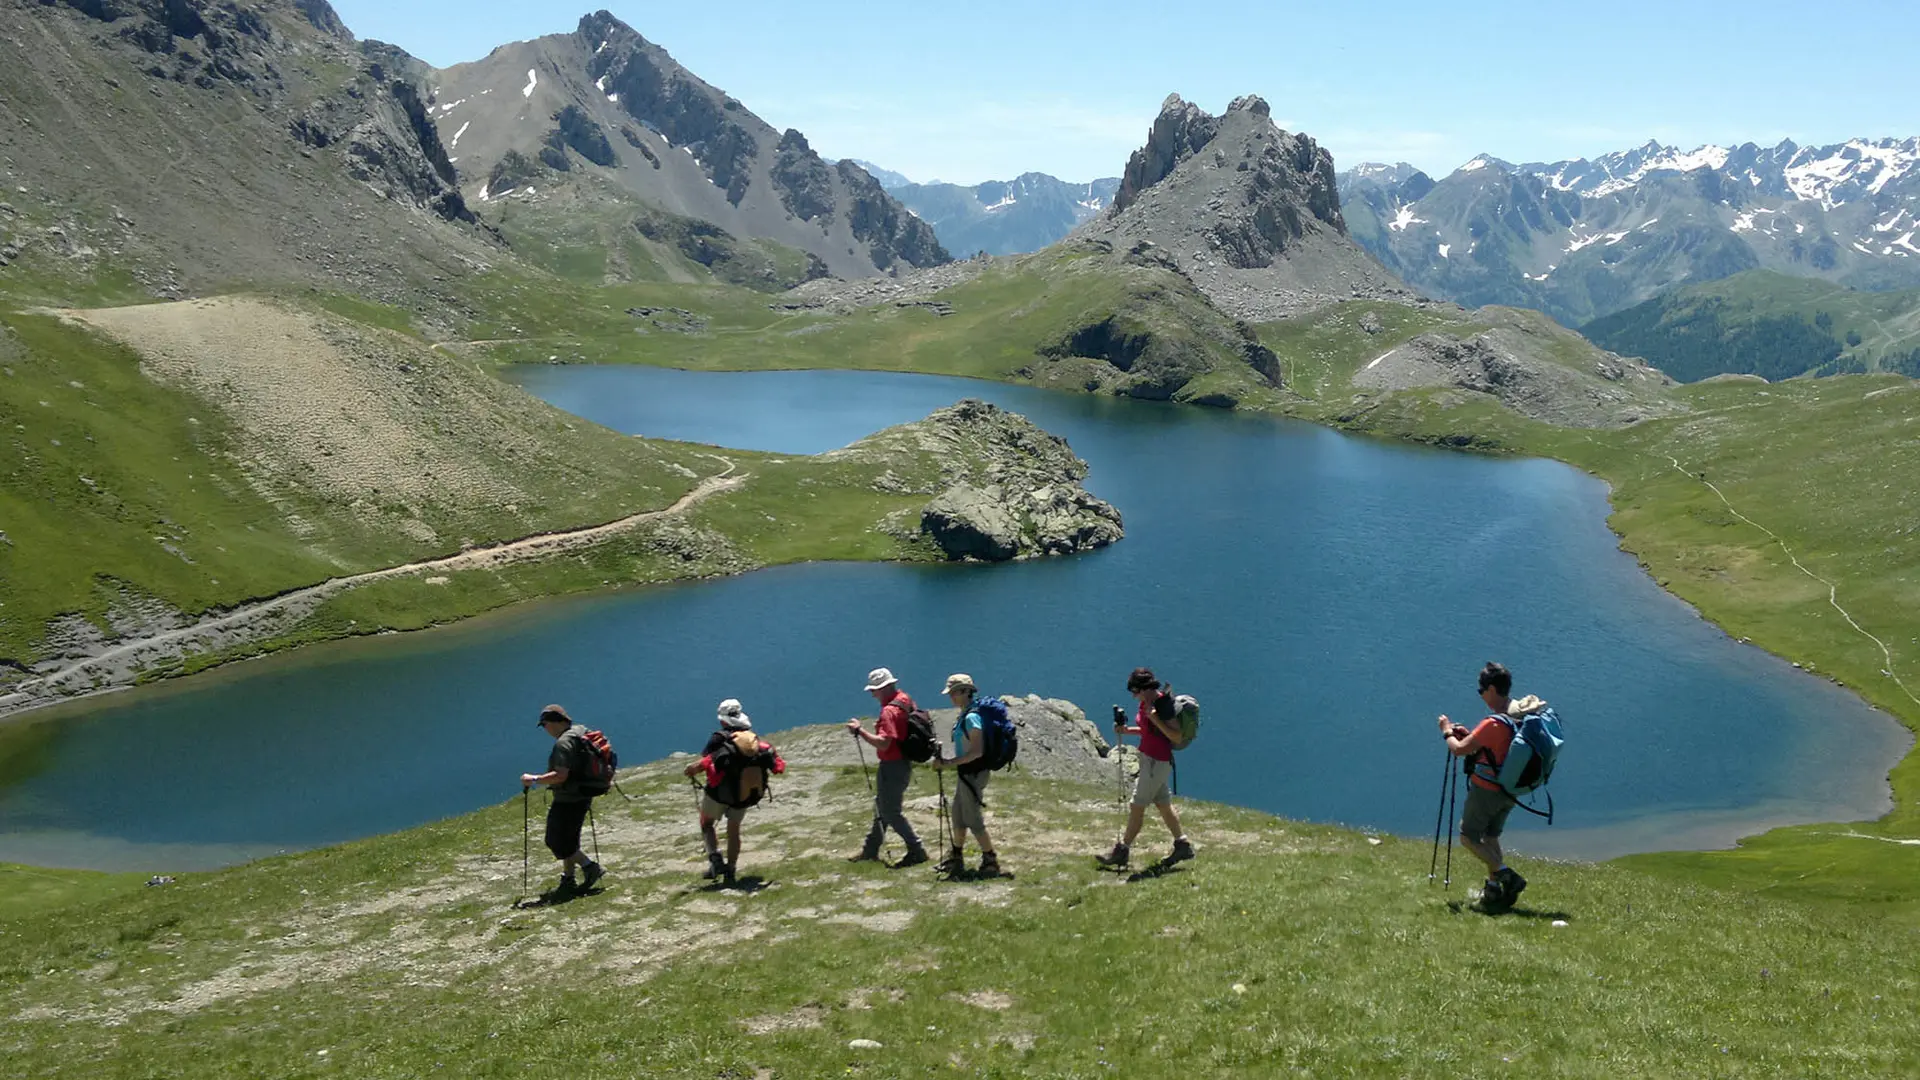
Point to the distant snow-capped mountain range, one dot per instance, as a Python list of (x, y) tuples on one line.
[(999, 217), (1584, 238)]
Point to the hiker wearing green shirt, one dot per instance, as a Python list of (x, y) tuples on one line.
[(566, 770), (969, 804)]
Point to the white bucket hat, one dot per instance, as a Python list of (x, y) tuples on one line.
[(880, 677), (732, 719)]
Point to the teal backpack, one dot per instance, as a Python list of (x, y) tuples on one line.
[(1537, 739)]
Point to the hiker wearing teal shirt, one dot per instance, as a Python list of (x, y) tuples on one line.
[(969, 804)]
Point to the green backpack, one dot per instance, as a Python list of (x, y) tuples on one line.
[(1186, 713)]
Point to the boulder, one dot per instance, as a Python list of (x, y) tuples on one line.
[(969, 523)]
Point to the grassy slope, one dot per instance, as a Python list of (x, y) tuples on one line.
[(1885, 322), (1284, 948), (1000, 319), (171, 513)]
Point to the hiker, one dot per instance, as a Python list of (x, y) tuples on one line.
[(896, 771), (737, 764), (567, 775), (1488, 804), (969, 761), (1157, 726)]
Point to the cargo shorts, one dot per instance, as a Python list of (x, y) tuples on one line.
[(1486, 814), (1154, 784)]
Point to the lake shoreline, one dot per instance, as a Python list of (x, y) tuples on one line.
[(1732, 828)]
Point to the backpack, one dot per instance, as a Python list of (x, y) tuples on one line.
[(920, 741), (1537, 739), (596, 773), (1001, 737), (744, 765), (1186, 713)]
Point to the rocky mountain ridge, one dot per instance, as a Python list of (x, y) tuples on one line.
[(1250, 213), (1001, 217), (605, 101), (190, 143), (1584, 238)]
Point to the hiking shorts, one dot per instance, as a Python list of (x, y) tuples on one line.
[(969, 806), (1154, 785), (712, 809), (564, 820), (1486, 814)]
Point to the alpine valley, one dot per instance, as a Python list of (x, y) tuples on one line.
[(259, 283)]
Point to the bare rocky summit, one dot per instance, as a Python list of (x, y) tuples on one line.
[(605, 104), (1248, 212)]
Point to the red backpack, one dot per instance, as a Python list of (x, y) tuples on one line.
[(596, 774)]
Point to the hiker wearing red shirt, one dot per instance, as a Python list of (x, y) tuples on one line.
[(736, 765), (1488, 805), (896, 772), (1157, 726)]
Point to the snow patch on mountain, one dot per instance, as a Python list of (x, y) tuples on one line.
[(533, 80), (1404, 218)]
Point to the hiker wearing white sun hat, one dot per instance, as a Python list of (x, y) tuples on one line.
[(891, 740)]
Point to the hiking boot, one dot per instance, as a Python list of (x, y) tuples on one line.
[(1492, 896), (954, 863), (1182, 851), (1511, 883), (715, 864), (865, 856), (590, 874), (567, 884), (989, 865), (726, 875), (1117, 857), (913, 857)]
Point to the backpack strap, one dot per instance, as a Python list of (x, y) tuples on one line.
[(1547, 813), (977, 796)]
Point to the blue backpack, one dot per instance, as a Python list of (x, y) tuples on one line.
[(1002, 738), (1537, 739)]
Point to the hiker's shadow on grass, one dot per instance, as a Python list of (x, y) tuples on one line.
[(745, 883), (556, 897), (975, 876), (1462, 906), (1157, 870)]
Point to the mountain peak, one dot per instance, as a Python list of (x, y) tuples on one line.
[(1249, 212)]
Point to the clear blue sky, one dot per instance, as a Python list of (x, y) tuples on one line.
[(986, 90)]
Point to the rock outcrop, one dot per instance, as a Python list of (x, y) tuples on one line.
[(1249, 212), (1510, 363), (1005, 488), (1057, 741)]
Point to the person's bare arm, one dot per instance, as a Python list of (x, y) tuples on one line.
[(551, 778)]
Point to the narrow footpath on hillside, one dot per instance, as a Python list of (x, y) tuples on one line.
[(117, 667)]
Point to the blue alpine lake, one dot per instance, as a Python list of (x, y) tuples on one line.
[(1325, 596)]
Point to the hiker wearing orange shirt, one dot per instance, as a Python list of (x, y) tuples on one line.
[(1488, 805)]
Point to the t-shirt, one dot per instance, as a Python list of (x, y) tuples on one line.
[(1152, 743), (570, 752), (893, 725), (1494, 736), (967, 721)]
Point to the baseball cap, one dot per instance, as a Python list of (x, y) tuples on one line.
[(553, 712)]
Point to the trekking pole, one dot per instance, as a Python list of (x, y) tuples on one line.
[(526, 833), (946, 829), (1453, 787), (1439, 812), (595, 829), (860, 745)]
